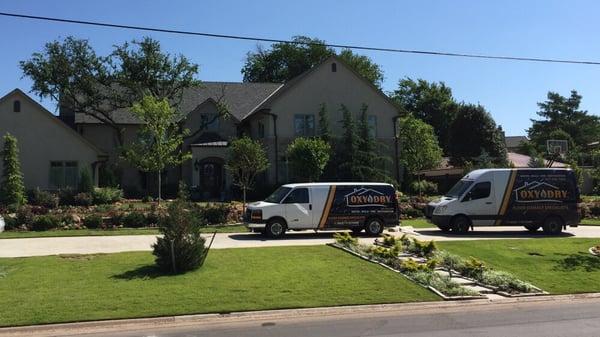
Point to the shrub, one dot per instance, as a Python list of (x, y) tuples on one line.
[(38, 197), (12, 190), (92, 221), (45, 222), (134, 220), (422, 248), (10, 223), (472, 268), (345, 239), (83, 199), (215, 214), (442, 283), (24, 217), (389, 240), (424, 187), (147, 198), (86, 185), (411, 266), (411, 212), (505, 281), (106, 195), (449, 261), (181, 248), (152, 219), (595, 209), (67, 196)]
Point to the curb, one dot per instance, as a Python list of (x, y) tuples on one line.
[(121, 325)]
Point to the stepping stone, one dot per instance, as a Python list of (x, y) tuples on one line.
[(476, 288), (494, 296), (461, 280)]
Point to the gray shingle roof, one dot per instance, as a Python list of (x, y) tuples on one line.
[(514, 141), (240, 99)]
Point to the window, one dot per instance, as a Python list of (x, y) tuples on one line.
[(333, 67), (297, 196), (209, 121), (479, 191), (372, 122), (17, 106), (63, 174), (261, 130), (304, 125)]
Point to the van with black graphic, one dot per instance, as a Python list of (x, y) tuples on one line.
[(546, 198), (325, 206)]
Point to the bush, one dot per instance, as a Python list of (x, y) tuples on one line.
[(505, 281), (86, 185), (424, 187), (10, 223), (595, 209), (147, 198), (92, 221), (44, 223), (345, 239), (215, 214), (83, 199), (38, 197), (24, 217), (422, 248), (106, 195), (181, 235), (411, 212), (134, 220), (152, 219), (67, 196)]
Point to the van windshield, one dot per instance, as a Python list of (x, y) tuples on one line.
[(279, 193), (459, 188)]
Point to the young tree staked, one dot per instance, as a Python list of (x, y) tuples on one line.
[(159, 141), (247, 158), (308, 157), (12, 189)]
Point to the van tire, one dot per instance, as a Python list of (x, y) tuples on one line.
[(460, 224), (373, 226), (275, 228), (553, 225), (532, 228)]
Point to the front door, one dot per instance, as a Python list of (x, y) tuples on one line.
[(480, 205), (298, 209), (211, 178)]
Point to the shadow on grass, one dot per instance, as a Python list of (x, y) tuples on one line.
[(489, 234), (581, 261), (143, 272)]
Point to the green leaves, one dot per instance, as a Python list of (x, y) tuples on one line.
[(246, 159), (308, 157), (419, 149), (12, 189)]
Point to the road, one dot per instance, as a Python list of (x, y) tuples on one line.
[(547, 318), (124, 243)]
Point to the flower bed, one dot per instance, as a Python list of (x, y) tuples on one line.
[(423, 263)]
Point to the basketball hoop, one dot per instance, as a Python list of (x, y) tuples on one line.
[(557, 149)]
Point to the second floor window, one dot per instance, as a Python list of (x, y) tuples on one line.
[(209, 122), (304, 125)]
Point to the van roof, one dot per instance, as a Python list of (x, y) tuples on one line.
[(336, 184), (477, 173)]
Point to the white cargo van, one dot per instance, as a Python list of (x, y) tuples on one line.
[(325, 206), (534, 198)]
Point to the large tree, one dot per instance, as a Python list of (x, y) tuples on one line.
[(370, 164), (430, 102), (474, 135), (159, 141), (71, 73), (564, 113), (308, 157), (12, 189), (419, 149), (285, 61)]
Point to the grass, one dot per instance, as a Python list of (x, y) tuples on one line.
[(417, 223), (557, 265), (53, 289), (109, 232), (590, 222)]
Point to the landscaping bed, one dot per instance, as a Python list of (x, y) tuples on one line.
[(70, 288), (451, 276), (557, 265)]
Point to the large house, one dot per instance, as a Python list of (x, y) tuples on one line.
[(274, 113)]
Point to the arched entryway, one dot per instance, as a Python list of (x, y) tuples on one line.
[(212, 175)]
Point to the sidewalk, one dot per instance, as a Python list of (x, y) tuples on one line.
[(126, 243)]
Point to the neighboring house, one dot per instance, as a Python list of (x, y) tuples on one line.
[(52, 154), (513, 142), (273, 113)]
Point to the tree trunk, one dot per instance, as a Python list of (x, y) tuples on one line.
[(159, 187), (244, 202)]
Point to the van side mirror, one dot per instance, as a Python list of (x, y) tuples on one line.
[(468, 197)]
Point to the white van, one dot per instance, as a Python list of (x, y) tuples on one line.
[(533, 198), (324, 206)]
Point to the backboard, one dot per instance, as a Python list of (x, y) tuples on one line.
[(557, 147)]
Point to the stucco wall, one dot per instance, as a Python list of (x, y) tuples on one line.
[(41, 139)]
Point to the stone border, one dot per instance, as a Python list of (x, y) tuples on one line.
[(594, 251), (437, 292)]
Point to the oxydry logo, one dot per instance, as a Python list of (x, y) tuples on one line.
[(539, 192), (366, 197)]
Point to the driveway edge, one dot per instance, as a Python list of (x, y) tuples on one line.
[(65, 329)]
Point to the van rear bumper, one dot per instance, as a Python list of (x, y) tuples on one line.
[(255, 225), (441, 220)]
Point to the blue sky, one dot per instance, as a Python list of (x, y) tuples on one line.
[(509, 90)]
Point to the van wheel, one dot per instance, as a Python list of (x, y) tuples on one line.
[(532, 228), (374, 226), (275, 228), (553, 225), (461, 224)]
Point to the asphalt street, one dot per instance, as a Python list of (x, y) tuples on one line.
[(547, 319)]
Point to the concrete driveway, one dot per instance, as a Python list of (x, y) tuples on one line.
[(125, 243)]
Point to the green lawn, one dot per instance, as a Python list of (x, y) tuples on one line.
[(417, 223), (557, 265), (91, 287), (120, 231), (590, 222)]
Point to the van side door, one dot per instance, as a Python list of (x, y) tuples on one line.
[(479, 204), (298, 208)]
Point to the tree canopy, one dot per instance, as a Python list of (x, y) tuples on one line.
[(430, 102), (12, 189), (247, 158), (419, 149), (71, 73), (308, 157), (285, 61)]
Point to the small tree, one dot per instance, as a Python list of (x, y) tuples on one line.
[(324, 131), (308, 157), (345, 155), (12, 189), (160, 138), (86, 184), (247, 158), (181, 246), (370, 163)]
